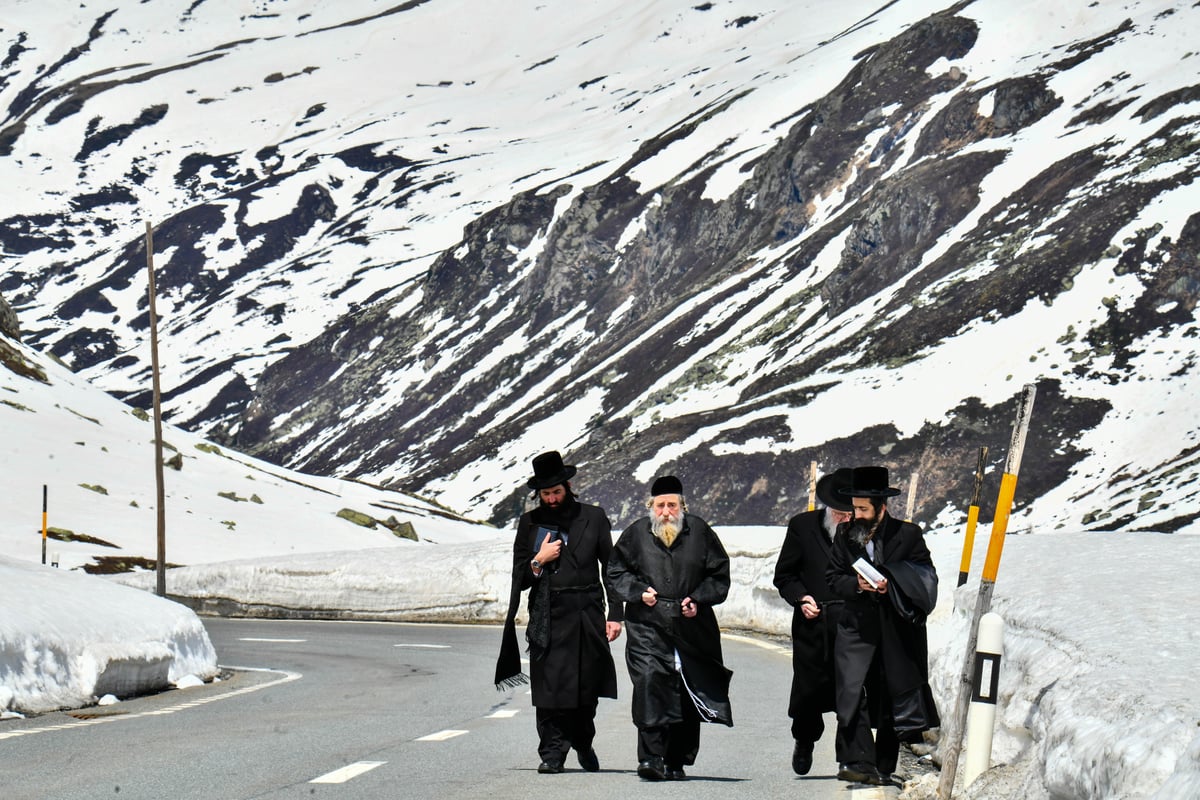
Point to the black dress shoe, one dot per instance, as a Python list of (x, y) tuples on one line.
[(860, 772), (550, 767), (676, 774), (802, 757), (652, 769), (588, 760)]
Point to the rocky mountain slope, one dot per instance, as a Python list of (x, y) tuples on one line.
[(724, 239)]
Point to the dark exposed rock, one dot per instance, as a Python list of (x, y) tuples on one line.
[(9, 325)]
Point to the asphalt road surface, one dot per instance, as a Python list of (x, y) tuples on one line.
[(376, 710)]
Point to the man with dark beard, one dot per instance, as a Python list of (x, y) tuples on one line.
[(883, 570), (561, 553), (671, 569), (800, 579)]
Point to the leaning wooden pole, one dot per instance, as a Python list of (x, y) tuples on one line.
[(953, 733), (161, 497), (964, 565)]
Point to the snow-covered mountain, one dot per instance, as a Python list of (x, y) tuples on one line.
[(88, 460), (418, 243)]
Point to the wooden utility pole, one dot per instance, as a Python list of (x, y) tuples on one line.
[(812, 486), (911, 507), (161, 499), (964, 565), (1008, 485)]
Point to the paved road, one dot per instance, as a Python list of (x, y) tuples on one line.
[(375, 710)]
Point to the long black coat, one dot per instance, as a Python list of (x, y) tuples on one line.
[(872, 633), (695, 566), (578, 666), (799, 571)]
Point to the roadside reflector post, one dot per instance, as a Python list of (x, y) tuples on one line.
[(985, 683), (952, 732)]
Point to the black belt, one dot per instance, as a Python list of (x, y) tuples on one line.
[(579, 588)]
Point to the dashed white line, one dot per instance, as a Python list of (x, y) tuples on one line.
[(503, 713), (441, 736), (348, 772), (280, 641), (427, 646)]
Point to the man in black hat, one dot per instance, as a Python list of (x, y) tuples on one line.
[(800, 579), (883, 570), (671, 569), (561, 553)]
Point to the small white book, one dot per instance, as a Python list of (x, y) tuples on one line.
[(868, 571)]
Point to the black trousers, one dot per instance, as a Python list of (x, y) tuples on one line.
[(560, 729), (678, 742), (854, 741)]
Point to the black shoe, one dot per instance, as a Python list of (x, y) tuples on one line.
[(588, 760), (550, 767), (802, 757), (676, 774), (652, 769), (860, 772)]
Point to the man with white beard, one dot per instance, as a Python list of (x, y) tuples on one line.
[(800, 579), (671, 569)]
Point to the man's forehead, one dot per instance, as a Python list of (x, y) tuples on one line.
[(666, 499)]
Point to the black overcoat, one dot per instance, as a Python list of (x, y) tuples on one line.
[(872, 633), (577, 666), (695, 566), (799, 571)]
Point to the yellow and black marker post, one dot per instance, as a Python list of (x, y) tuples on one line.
[(964, 566), (44, 528)]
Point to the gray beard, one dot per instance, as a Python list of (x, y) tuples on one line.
[(666, 530), (828, 524)]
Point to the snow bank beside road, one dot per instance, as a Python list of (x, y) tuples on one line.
[(67, 637)]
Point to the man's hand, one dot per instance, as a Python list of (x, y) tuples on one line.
[(809, 607), (864, 586), (549, 551), (612, 630), (688, 607), (650, 597)]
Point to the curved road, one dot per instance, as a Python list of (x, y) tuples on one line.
[(383, 710)]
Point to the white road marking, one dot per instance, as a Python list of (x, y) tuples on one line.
[(286, 678), (503, 713), (284, 641), (347, 772), (429, 646), (441, 736)]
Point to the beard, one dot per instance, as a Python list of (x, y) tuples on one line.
[(862, 529), (667, 527)]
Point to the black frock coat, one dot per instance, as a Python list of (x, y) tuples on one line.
[(875, 644), (578, 666), (695, 566), (799, 571)]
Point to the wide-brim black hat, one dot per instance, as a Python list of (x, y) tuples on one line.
[(549, 470), (830, 486), (869, 482)]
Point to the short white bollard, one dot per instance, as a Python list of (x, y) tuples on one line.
[(981, 716)]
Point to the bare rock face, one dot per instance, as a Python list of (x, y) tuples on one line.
[(8, 321)]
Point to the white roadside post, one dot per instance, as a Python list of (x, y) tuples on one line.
[(981, 716)]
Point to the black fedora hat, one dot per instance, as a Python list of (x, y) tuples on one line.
[(830, 486), (869, 482), (549, 470)]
